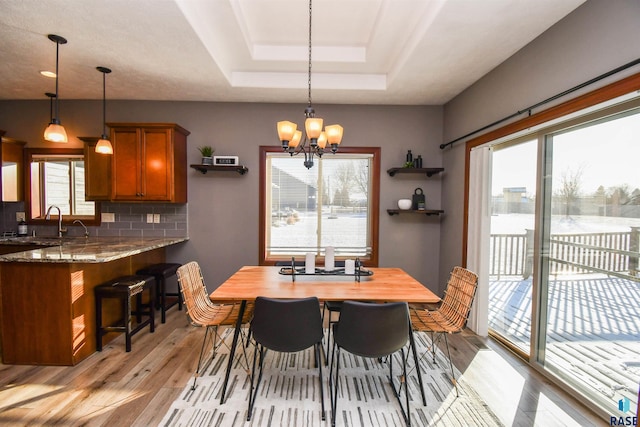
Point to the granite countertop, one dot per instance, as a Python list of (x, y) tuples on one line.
[(83, 249)]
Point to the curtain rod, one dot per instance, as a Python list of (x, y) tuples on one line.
[(546, 101)]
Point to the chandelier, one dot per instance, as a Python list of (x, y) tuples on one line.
[(315, 139)]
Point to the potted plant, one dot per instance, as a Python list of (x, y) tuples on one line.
[(207, 154)]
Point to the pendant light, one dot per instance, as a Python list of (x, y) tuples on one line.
[(315, 139), (104, 145), (55, 131)]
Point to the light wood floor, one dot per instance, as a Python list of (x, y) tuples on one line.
[(115, 388)]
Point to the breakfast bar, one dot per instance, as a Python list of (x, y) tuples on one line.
[(46, 293)]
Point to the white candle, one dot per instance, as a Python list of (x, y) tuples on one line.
[(310, 263), (329, 258), (349, 266)]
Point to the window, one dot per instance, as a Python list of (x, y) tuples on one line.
[(335, 203), (56, 177)]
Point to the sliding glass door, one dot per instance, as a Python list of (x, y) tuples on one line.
[(564, 261), (589, 276)]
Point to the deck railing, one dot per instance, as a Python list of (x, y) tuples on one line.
[(614, 253), (508, 254)]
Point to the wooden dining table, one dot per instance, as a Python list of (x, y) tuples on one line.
[(377, 285)]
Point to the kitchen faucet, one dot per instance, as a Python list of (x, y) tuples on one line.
[(48, 216), (86, 232)]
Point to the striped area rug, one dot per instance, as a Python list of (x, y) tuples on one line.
[(289, 394)]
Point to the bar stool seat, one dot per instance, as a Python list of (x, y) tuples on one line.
[(161, 272), (124, 288)]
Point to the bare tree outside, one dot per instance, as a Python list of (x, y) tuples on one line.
[(569, 190), (361, 178)]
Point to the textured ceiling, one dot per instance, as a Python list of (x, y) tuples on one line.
[(414, 52)]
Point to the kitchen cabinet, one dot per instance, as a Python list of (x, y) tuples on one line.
[(11, 179), (47, 309), (149, 162), (62, 331), (97, 171)]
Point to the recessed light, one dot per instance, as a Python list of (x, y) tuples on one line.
[(48, 74)]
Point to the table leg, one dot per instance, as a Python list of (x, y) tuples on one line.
[(232, 351), (416, 361)]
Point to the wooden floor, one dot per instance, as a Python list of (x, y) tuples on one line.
[(115, 388)]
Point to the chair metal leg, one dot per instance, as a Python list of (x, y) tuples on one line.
[(433, 346), (207, 332), (232, 352), (453, 375), (416, 360), (319, 363), (253, 393), (326, 359), (403, 383), (333, 385)]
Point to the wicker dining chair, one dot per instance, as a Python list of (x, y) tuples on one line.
[(202, 312), (452, 314)]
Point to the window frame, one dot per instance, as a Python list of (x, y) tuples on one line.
[(372, 260), (93, 220)]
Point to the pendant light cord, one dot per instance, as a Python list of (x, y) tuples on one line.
[(104, 105), (57, 77)]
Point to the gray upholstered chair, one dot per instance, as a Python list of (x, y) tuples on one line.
[(285, 326), (373, 331)]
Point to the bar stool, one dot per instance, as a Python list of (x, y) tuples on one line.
[(162, 272), (123, 288)]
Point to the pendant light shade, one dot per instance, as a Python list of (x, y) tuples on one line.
[(104, 145), (55, 131)]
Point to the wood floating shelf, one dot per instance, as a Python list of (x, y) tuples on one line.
[(428, 171), (206, 168), (415, 211)]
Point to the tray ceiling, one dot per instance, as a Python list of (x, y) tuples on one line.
[(413, 52)]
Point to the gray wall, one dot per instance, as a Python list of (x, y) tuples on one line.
[(597, 37), (222, 211)]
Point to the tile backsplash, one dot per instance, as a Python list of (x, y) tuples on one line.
[(130, 220), (8, 217)]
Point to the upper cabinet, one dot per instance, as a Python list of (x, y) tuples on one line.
[(97, 171), (12, 156), (149, 162)]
